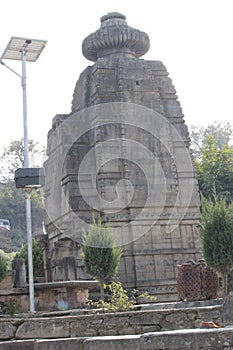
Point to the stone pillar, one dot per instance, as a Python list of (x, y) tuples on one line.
[(69, 268), (43, 240), (20, 272)]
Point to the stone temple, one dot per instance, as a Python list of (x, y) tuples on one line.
[(122, 154)]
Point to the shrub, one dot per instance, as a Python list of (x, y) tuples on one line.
[(119, 300), (217, 235), (11, 307), (37, 256), (101, 257)]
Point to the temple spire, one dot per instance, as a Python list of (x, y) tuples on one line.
[(115, 37)]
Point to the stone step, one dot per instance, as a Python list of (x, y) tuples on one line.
[(195, 339), (179, 304)]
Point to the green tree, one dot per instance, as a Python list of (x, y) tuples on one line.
[(12, 158), (220, 131), (37, 257), (8, 257), (12, 207), (215, 169), (101, 256), (217, 235), (12, 200)]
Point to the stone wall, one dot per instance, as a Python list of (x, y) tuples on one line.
[(99, 324), (194, 339), (175, 327), (170, 326)]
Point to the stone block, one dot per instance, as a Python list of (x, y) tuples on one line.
[(146, 319), (112, 343), (164, 267), (7, 330), (194, 339), (176, 238), (59, 344), (228, 309), (85, 326), (18, 345), (187, 236), (43, 328), (145, 268), (8, 281)]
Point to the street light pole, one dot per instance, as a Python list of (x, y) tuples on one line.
[(25, 124), (27, 191), (25, 50), (29, 242)]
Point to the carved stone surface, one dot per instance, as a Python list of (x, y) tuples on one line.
[(115, 36), (121, 107)]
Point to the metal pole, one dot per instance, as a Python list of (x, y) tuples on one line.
[(25, 123), (27, 194)]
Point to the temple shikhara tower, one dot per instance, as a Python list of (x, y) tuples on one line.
[(122, 155)]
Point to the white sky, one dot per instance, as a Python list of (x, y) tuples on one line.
[(193, 38)]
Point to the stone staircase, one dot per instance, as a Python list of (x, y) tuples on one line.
[(171, 326)]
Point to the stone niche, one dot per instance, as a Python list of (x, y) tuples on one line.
[(122, 154)]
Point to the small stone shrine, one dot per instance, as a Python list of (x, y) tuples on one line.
[(122, 154)]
